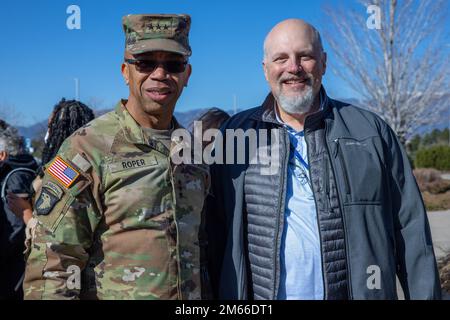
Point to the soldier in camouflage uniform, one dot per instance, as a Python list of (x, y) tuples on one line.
[(116, 218)]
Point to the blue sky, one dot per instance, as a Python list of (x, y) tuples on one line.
[(40, 56)]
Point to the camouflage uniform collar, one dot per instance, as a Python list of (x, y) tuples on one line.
[(131, 129), (134, 133)]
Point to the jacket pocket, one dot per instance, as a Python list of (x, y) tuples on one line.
[(359, 169), (370, 253)]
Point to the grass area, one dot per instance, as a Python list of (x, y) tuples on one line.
[(435, 190), (436, 202)]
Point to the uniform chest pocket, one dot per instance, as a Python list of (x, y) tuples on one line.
[(359, 170), (136, 186), (125, 171)]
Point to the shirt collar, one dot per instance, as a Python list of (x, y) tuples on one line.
[(323, 101)]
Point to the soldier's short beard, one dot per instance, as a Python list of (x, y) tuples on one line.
[(298, 104)]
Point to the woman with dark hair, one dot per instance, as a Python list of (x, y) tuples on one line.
[(67, 117)]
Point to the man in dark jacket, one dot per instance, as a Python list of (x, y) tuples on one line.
[(16, 174), (339, 217)]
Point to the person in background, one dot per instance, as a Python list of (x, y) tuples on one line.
[(17, 170), (67, 117), (213, 118)]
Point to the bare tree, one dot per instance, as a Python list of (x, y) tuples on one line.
[(99, 106), (9, 114), (401, 69), (95, 103)]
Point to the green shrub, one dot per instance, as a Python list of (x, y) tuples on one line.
[(437, 157)]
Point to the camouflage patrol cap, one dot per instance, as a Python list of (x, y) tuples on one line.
[(157, 32)]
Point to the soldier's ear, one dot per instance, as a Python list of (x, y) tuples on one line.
[(188, 74), (125, 72)]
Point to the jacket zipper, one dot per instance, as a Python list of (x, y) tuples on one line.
[(344, 167), (327, 189), (349, 282), (325, 294), (281, 210)]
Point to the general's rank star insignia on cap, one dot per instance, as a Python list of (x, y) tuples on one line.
[(63, 172)]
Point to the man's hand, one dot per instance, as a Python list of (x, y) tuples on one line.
[(21, 207)]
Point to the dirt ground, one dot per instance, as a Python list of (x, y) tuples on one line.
[(440, 201)]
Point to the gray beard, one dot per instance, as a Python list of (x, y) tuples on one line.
[(299, 104)]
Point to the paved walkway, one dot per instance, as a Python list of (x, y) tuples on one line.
[(440, 231)]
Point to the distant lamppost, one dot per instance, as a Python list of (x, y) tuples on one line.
[(77, 89)]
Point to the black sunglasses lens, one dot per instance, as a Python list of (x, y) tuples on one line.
[(148, 66), (175, 66)]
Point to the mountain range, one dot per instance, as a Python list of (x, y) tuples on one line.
[(187, 117)]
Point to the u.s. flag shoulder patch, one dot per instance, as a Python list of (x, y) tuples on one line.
[(63, 172)]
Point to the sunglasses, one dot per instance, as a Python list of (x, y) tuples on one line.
[(148, 66)]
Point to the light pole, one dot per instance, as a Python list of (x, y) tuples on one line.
[(77, 89)]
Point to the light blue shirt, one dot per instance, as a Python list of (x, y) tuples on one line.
[(301, 275)]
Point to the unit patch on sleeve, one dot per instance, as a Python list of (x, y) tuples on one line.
[(51, 193)]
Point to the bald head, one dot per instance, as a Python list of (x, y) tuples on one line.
[(294, 63), (291, 31)]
